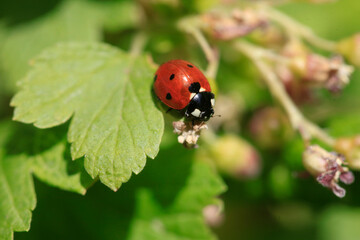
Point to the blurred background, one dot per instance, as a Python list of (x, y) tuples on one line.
[(274, 201)]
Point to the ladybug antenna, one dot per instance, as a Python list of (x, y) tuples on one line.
[(216, 115)]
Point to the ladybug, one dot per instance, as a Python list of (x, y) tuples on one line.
[(182, 86)]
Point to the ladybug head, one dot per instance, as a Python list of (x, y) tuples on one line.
[(201, 106)]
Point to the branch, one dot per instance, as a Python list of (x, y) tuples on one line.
[(306, 128), (190, 25)]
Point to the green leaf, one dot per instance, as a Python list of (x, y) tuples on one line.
[(17, 197), (116, 16), (343, 21), (48, 154), (183, 218), (173, 188), (70, 21), (116, 123), (52, 162), (25, 150), (54, 169)]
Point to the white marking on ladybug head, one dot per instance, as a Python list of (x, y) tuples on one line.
[(192, 95), (212, 102), (196, 113), (202, 90)]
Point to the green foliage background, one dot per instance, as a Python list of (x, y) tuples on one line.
[(165, 200)]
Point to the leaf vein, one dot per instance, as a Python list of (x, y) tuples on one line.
[(65, 91), (141, 108), (97, 114), (102, 141)]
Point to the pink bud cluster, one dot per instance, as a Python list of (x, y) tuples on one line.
[(328, 168), (188, 132), (238, 23)]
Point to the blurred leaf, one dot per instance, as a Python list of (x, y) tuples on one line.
[(172, 188), (238, 75), (335, 20), (23, 150), (182, 219), (70, 21), (116, 123), (11, 13), (281, 182), (48, 155), (336, 106), (53, 165), (345, 125), (52, 168), (17, 197), (293, 215), (292, 153), (340, 222), (118, 15)]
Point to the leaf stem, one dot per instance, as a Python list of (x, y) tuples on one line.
[(306, 128)]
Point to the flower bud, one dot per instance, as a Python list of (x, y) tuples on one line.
[(350, 148), (188, 132), (213, 215), (313, 69), (331, 73), (328, 168), (350, 48), (270, 36), (314, 160), (227, 25), (270, 127), (233, 156), (290, 72)]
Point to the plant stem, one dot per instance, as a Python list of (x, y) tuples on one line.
[(138, 43), (209, 52), (189, 25), (306, 128), (299, 29)]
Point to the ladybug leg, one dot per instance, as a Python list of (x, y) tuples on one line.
[(169, 110)]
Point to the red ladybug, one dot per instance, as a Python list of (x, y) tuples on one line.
[(182, 86)]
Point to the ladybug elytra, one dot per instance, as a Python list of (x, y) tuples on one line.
[(182, 86)]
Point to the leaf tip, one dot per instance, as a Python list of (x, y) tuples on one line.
[(114, 188), (112, 185)]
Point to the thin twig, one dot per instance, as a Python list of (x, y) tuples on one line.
[(189, 25), (209, 52), (138, 44), (306, 128)]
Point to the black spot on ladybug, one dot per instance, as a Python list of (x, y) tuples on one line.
[(168, 96), (194, 87), (155, 77), (172, 76), (190, 65)]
